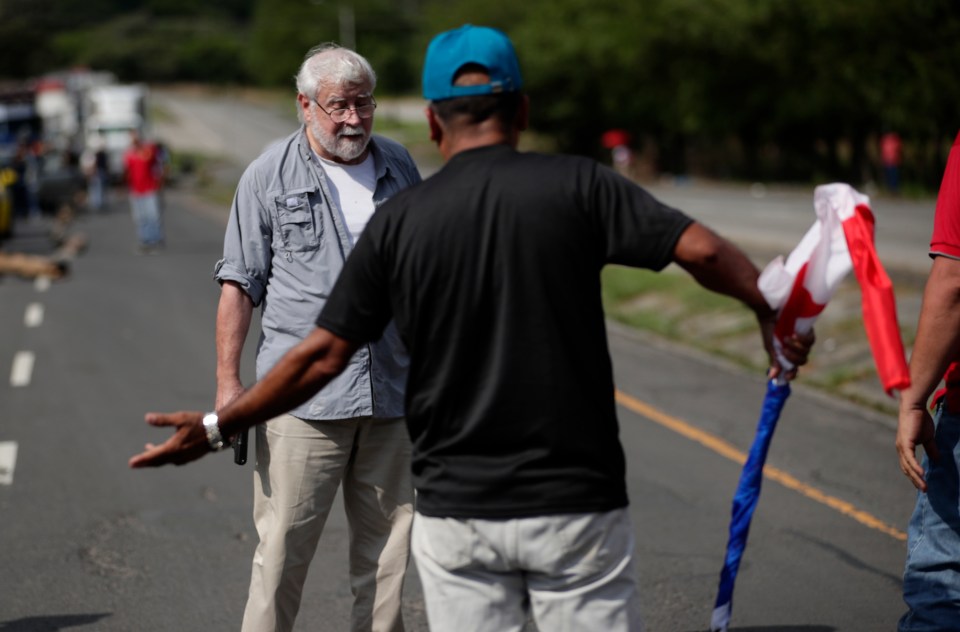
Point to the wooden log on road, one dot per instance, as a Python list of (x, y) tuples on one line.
[(32, 266)]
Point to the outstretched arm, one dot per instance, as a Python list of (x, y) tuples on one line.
[(718, 265), (303, 371), (936, 344)]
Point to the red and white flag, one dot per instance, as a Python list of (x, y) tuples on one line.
[(841, 239)]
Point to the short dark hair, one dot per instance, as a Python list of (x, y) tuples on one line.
[(477, 109)]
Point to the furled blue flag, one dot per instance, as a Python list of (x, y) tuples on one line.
[(840, 240), (745, 500)]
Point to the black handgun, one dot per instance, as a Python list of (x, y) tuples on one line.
[(240, 447)]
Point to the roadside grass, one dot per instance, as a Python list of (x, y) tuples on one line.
[(660, 302), (158, 112), (670, 304), (414, 135), (194, 169), (200, 172)]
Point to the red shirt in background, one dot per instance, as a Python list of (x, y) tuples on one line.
[(141, 174), (890, 149)]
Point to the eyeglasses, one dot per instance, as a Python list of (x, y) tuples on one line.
[(339, 115)]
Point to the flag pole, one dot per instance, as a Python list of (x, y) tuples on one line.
[(746, 498)]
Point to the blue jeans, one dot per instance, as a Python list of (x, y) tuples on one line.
[(931, 579), (146, 217), (97, 190)]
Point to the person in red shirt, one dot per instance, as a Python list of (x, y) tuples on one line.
[(143, 186), (891, 149), (931, 578)]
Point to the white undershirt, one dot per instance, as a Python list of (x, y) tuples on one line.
[(352, 188)]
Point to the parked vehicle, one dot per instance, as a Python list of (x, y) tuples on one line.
[(58, 109), (111, 113), (61, 182), (19, 120)]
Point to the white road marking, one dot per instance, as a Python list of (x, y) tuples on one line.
[(8, 461), (33, 317), (42, 284), (22, 368)]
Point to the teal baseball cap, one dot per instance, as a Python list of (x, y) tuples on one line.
[(452, 50)]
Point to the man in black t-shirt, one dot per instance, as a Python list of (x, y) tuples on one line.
[(491, 270)]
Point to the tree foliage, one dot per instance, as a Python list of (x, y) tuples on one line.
[(283, 30), (750, 88), (795, 89)]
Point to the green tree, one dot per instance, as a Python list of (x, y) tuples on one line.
[(141, 47), (794, 89), (381, 30)]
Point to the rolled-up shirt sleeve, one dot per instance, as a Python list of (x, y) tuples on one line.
[(247, 242)]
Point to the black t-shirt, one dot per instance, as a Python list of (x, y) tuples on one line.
[(491, 269)]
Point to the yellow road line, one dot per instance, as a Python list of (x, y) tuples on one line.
[(727, 450)]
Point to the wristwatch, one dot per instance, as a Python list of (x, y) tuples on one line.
[(214, 438)]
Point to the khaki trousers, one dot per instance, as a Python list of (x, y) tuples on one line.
[(300, 465)]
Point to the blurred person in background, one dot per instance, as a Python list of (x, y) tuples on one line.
[(93, 162), (33, 170), (891, 154), (162, 159), (143, 186), (21, 205)]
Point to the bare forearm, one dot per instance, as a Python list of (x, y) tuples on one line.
[(234, 313), (720, 266), (938, 332), (305, 369)]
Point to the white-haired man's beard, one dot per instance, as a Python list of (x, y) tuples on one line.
[(348, 143)]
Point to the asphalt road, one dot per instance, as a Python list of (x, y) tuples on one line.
[(87, 544)]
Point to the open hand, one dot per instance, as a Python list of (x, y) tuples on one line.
[(915, 428), (188, 443)]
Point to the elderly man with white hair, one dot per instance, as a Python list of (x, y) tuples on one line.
[(297, 213)]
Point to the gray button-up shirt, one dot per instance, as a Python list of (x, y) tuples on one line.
[(285, 245)]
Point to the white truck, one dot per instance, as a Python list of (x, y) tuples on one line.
[(111, 113), (58, 109)]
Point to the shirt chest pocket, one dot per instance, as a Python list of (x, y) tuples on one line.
[(299, 218)]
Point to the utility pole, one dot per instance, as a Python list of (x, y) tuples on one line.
[(348, 28), (345, 18)]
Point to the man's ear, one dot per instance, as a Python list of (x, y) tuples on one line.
[(436, 130), (304, 102)]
